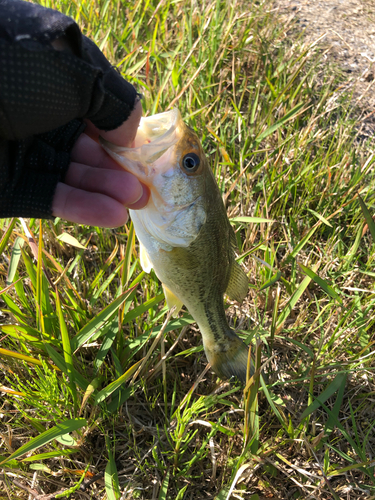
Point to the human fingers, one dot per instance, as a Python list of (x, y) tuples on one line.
[(89, 152), (142, 202), (122, 186), (92, 131), (93, 209)]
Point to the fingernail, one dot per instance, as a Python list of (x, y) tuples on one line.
[(142, 202), (140, 196)]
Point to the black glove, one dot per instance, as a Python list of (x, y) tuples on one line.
[(44, 95)]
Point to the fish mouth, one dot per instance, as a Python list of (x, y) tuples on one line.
[(155, 135), (156, 129)]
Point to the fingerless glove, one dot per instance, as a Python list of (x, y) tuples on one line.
[(44, 95)]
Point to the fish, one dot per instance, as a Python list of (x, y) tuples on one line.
[(185, 234)]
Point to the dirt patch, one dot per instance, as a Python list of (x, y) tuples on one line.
[(348, 31)]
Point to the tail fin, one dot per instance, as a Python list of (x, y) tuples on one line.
[(230, 358)]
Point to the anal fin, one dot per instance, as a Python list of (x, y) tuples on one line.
[(238, 283), (172, 300)]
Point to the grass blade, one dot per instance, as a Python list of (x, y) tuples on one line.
[(98, 321), (293, 300), (251, 418), (60, 365), (301, 244), (47, 436), (368, 217), (253, 220), (142, 308), (271, 281), (127, 257), (5, 238), (338, 381), (334, 416), (49, 454), (23, 357), (107, 391), (14, 260), (108, 340), (270, 130), (91, 388), (320, 217), (110, 476), (164, 488), (321, 282), (67, 350), (274, 317), (70, 240)]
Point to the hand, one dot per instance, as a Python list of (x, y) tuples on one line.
[(96, 189)]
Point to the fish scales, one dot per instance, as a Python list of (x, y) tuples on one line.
[(185, 234)]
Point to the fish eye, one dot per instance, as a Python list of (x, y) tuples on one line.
[(191, 162)]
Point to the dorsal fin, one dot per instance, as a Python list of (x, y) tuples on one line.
[(172, 300), (238, 283)]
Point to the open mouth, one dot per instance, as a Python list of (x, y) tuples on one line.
[(157, 128), (155, 135)]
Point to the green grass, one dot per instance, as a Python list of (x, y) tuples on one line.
[(97, 409)]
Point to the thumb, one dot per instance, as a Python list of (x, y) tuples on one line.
[(125, 134)]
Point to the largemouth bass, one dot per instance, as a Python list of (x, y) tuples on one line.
[(185, 234)]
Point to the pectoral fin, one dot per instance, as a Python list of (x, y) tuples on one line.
[(172, 300), (238, 283), (145, 261)]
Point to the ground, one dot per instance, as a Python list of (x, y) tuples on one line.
[(345, 31)]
